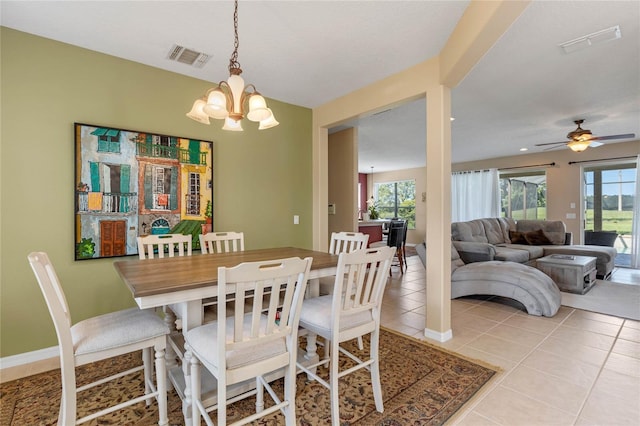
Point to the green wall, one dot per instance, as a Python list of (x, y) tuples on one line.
[(261, 178)]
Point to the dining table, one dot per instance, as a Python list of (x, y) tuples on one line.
[(182, 283)]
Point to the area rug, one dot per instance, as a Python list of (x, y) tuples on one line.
[(422, 385), (605, 297)]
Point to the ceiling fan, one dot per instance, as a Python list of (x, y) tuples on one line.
[(581, 139)]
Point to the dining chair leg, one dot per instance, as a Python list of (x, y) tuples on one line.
[(161, 386), (196, 391), (333, 381), (375, 371), (259, 395), (148, 372)]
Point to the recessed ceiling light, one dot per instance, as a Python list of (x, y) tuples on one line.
[(452, 118), (524, 149)]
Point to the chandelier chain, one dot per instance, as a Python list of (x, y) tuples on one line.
[(234, 65)]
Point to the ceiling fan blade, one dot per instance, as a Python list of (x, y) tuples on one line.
[(595, 144), (606, 138), (551, 143), (552, 147)]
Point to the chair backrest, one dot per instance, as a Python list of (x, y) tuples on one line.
[(397, 232), (347, 242), (59, 311), (221, 242), (362, 274), (268, 299), (151, 246)]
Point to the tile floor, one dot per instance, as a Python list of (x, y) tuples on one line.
[(577, 368)]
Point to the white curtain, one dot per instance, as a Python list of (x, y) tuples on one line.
[(475, 195), (635, 227)]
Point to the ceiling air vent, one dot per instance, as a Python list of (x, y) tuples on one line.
[(588, 40), (188, 56)]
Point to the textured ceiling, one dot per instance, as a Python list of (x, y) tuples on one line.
[(524, 91)]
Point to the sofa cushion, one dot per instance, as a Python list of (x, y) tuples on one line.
[(456, 262), (496, 230), (511, 255), (536, 238), (534, 251), (472, 230), (554, 230)]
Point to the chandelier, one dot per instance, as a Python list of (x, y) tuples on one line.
[(228, 100)]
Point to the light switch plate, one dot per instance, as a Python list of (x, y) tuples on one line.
[(571, 216)]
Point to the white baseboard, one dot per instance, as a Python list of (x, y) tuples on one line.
[(26, 364), (437, 335)]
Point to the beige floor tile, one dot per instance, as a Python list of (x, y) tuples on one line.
[(561, 315), (546, 388), (418, 296), (587, 338), (623, 364), (541, 325), (630, 333), (474, 419), (458, 307), (417, 285), (500, 347), (577, 372), (402, 328), (475, 322), (627, 347), (587, 324), (508, 407), (461, 336), (575, 351), (492, 312), (413, 319), (594, 316), (632, 324), (505, 364), (614, 400), (517, 335)]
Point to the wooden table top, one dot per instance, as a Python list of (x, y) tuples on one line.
[(157, 276)]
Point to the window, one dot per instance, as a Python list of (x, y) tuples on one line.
[(523, 195), (397, 199)]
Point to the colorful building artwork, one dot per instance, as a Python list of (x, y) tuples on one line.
[(131, 183)]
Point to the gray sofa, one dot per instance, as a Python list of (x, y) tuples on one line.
[(532, 288), (524, 241)]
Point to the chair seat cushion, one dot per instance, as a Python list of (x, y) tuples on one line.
[(317, 312), (204, 343), (116, 329)]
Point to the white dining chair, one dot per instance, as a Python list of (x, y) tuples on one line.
[(260, 337), (102, 337), (221, 242), (151, 246), (216, 243), (352, 311), (342, 242)]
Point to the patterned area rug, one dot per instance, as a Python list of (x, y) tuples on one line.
[(421, 385)]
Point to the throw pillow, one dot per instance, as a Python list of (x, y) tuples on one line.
[(537, 238), (517, 238)]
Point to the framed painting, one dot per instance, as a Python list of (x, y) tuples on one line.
[(131, 183)]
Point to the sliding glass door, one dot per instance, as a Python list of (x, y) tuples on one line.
[(609, 192)]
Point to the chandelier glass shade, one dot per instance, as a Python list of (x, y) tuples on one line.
[(228, 100)]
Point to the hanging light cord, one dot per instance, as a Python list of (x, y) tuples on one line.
[(234, 65)]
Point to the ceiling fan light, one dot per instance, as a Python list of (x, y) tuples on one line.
[(579, 145), (268, 122), (197, 112)]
